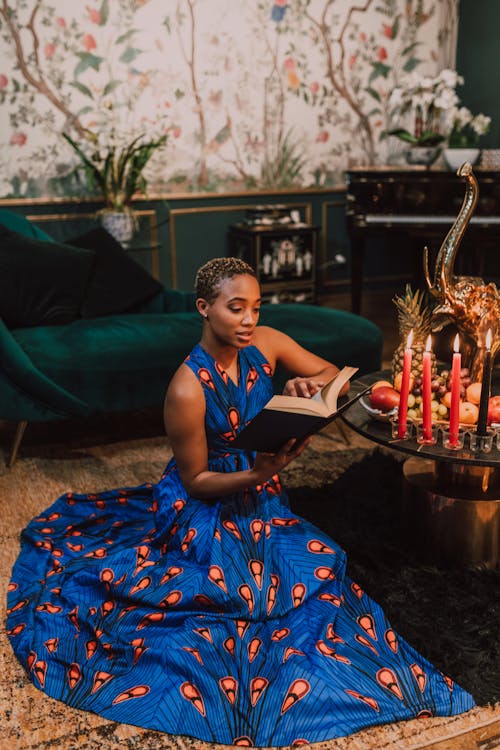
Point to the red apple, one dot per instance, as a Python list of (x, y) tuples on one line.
[(380, 383), (384, 398), (494, 409)]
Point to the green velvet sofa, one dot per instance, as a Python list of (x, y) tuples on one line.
[(122, 362)]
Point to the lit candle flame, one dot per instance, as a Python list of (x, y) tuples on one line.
[(428, 343), (488, 339), (456, 343), (409, 340)]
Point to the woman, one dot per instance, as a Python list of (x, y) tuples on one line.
[(203, 605)]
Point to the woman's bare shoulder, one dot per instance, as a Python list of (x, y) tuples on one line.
[(267, 331), (263, 338), (269, 338), (184, 387)]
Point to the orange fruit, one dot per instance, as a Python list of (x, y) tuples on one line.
[(468, 413), (446, 400), (398, 380), (473, 393)]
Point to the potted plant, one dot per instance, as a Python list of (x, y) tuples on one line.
[(423, 101), (463, 141), (115, 168)]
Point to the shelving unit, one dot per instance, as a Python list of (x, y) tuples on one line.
[(284, 257)]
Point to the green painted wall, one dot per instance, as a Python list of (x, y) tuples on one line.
[(188, 230), (478, 61)]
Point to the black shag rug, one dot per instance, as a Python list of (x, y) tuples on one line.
[(451, 616)]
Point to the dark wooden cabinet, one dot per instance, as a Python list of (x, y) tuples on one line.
[(284, 257)]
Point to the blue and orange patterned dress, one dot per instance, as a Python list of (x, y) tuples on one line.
[(229, 620)]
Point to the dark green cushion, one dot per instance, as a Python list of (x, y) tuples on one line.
[(41, 283), (26, 379), (113, 363), (118, 283), (336, 335)]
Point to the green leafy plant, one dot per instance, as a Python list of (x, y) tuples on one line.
[(285, 169), (116, 170), (424, 138)]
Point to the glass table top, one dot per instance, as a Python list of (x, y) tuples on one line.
[(357, 417)]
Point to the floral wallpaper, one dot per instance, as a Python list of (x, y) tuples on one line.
[(253, 94)]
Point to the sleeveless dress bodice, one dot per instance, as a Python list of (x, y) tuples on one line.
[(231, 620)]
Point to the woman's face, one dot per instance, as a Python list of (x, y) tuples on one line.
[(234, 313)]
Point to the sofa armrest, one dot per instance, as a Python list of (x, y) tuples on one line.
[(25, 377)]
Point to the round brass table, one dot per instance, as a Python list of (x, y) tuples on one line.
[(450, 499)]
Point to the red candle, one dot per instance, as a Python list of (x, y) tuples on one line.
[(427, 391), (405, 388), (455, 392)]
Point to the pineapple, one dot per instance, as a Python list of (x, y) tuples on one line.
[(412, 314)]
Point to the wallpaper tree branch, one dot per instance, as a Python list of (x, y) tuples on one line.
[(253, 94)]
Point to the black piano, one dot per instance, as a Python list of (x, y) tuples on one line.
[(420, 205)]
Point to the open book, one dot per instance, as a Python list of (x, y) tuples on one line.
[(286, 417)]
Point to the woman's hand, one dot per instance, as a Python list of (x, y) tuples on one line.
[(268, 464), (305, 387)]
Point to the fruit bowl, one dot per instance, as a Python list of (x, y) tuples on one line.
[(380, 416)]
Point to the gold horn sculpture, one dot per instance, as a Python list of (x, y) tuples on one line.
[(467, 301)]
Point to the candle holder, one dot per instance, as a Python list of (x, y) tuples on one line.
[(395, 429), (482, 443), (456, 444), (432, 440), (496, 429)]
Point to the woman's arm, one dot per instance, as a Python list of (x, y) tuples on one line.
[(312, 372), (184, 417)]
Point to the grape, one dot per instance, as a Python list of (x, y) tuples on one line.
[(442, 410), (445, 374), (434, 405), (464, 372), (435, 386), (462, 392), (418, 382), (448, 384), (417, 391), (441, 391), (466, 382)]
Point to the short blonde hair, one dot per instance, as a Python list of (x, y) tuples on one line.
[(211, 275)]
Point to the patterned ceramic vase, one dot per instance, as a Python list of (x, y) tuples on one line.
[(422, 155), (119, 224)]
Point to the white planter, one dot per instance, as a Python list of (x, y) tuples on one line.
[(119, 224), (455, 157)]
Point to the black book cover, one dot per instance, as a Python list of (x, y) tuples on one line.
[(270, 429)]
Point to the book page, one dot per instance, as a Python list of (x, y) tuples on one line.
[(323, 403), (330, 392), (297, 404)]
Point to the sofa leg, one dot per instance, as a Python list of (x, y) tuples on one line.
[(20, 430)]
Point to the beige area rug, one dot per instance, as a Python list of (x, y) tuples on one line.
[(29, 719)]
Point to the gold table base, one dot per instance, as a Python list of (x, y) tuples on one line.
[(452, 512)]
